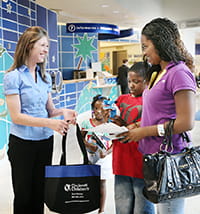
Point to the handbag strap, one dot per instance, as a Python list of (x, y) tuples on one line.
[(81, 145), (167, 141)]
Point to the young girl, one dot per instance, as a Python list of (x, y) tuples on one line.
[(99, 116), (127, 160)]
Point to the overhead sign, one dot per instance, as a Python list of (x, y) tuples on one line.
[(122, 34), (92, 28)]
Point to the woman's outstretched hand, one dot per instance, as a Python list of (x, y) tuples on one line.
[(131, 135)]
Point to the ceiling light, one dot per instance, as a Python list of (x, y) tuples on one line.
[(104, 5), (115, 11)]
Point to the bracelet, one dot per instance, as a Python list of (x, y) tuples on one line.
[(161, 130)]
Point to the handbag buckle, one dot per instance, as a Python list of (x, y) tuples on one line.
[(165, 148)]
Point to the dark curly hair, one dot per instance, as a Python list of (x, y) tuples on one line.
[(165, 36), (98, 97)]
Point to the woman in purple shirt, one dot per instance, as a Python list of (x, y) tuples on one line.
[(170, 94), (27, 88)]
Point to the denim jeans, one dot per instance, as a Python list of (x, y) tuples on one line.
[(129, 198), (175, 206)]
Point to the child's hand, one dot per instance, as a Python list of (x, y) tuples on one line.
[(92, 147), (102, 154), (119, 121)]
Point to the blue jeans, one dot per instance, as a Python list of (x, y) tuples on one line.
[(175, 206), (129, 197)]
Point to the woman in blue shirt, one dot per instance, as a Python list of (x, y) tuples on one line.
[(27, 88)]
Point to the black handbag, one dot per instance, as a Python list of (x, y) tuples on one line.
[(168, 176), (73, 189)]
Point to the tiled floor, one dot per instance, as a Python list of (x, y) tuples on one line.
[(6, 195)]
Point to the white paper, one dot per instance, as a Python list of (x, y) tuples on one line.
[(110, 129)]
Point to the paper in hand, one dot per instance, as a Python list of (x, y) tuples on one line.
[(110, 129)]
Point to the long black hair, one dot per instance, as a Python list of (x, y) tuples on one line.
[(165, 36)]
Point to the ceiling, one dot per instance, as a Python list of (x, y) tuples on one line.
[(123, 13)]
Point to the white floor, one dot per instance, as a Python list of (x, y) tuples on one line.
[(6, 195)]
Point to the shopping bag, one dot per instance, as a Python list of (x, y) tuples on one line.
[(72, 189)]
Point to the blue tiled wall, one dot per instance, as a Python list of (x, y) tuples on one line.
[(17, 15)]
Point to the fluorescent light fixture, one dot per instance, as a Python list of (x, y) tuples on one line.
[(104, 5)]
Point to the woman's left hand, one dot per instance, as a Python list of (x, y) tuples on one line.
[(70, 116), (132, 135)]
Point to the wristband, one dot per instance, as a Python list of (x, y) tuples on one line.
[(161, 130)]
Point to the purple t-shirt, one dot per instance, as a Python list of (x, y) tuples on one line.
[(159, 105)]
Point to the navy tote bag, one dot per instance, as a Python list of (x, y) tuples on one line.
[(72, 189)]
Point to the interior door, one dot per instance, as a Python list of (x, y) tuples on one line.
[(118, 56)]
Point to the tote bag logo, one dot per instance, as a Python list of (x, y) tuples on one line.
[(76, 187)]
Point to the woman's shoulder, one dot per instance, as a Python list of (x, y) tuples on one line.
[(11, 76), (16, 72), (179, 67), (12, 72), (177, 71), (180, 77)]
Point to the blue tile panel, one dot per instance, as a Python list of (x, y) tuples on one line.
[(9, 25), (53, 55), (52, 24), (197, 49), (24, 2), (42, 16)]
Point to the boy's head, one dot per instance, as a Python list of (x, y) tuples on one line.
[(136, 78)]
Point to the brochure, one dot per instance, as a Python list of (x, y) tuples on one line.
[(110, 129)]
